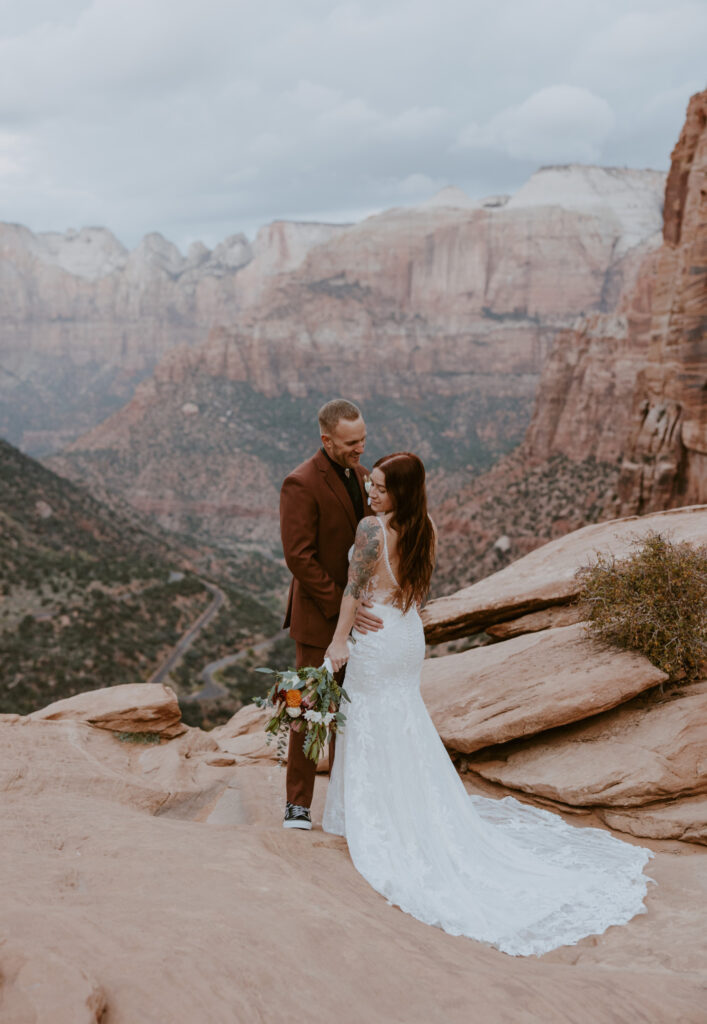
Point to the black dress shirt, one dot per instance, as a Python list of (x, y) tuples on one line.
[(350, 481)]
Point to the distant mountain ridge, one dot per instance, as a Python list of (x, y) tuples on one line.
[(437, 319), (84, 320)]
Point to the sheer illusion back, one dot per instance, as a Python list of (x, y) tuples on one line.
[(382, 587), (507, 874)]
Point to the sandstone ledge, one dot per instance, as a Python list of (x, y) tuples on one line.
[(132, 707), (546, 576), (526, 685), (638, 754)]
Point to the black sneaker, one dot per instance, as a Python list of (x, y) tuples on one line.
[(296, 817)]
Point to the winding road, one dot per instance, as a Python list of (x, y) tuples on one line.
[(188, 638), (213, 689)]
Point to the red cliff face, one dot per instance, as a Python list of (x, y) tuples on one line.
[(620, 419), (632, 386), (585, 397), (665, 458)]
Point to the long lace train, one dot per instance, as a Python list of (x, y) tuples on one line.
[(499, 871)]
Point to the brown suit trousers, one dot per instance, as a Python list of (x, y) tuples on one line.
[(301, 770)]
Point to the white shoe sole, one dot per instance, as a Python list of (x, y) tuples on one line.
[(297, 824)]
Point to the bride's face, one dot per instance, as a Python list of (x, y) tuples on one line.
[(381, 501)]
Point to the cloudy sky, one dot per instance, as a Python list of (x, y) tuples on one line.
[(202, 118)]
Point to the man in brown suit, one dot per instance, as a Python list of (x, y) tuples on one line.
[(321, 503)]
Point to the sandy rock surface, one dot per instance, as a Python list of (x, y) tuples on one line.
[(548, 618), (633, 755), (546, 576), (131, 707), (684, 819), (112, 911), (533, 682)]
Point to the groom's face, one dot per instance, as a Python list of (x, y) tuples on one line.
[(346, 442)]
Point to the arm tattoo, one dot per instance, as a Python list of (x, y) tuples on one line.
[(366, 553)]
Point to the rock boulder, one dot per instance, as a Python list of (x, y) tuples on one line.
[(642, 753), (132, 707), (546, 577), (534, 682)]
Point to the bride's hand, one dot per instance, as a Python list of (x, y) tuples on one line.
[(338, 654)]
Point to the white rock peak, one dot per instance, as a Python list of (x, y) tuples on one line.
[(90, 252), (630, 199), (634, 197)]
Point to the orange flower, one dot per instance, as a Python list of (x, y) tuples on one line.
[(293, 698)]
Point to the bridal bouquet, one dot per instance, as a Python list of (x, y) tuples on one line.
[(311, 697)]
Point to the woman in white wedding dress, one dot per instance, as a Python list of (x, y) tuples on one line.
[(499, 871)]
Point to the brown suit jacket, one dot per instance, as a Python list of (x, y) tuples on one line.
[(318, 526)]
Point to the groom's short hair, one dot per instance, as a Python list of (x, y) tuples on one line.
[(338, 409)]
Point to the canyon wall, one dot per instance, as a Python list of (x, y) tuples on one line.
[(619, 424), (437, 319), (665, 459), (632, 386), (454, 286), (83, 320)]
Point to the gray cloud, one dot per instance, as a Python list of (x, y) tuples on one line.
[(202, 119)]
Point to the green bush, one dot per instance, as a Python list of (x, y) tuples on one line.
[(654, 601)]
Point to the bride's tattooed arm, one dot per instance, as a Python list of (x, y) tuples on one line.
[(367, 551)]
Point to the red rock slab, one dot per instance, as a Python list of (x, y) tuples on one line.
[(549, 618), (684, 819), (546, 576), (132, 707), (628, 757), (186, 923), (526, 685), (39, 985)]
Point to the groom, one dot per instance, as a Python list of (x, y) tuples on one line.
[(321, 503)]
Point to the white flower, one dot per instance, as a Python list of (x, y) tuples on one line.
[(290, 679), (328, 717), (313, 716), (294, 712), (367, 484)]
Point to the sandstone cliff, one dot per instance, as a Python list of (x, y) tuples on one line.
[(437, 319), (665, 460), (454, 283), (619, 423), (83, 320), (631, 386)]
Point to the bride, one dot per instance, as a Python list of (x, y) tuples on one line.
[(507, 874)]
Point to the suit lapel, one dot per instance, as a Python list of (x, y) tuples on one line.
[(336, 485)]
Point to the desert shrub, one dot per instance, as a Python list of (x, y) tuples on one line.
[(654, 601)]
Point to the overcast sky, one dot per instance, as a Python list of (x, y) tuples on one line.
[(202, 118)]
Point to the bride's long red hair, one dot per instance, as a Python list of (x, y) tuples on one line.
[(405, 483)]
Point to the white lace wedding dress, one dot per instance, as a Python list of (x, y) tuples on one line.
[(499, 871)]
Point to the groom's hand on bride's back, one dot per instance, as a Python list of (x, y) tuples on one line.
[(366, 621)]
